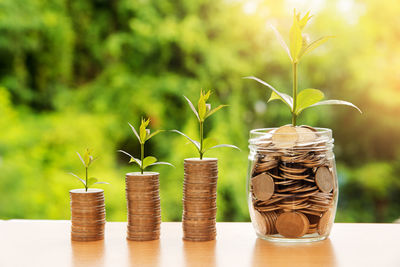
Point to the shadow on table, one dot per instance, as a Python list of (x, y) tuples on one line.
[(319, 253), (146, 253), (199, 253), (87, 253)]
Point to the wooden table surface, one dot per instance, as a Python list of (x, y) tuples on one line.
[(47, 243)]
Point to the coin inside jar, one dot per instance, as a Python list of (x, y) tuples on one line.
[(292, 224), (324, 179), (263, 186)]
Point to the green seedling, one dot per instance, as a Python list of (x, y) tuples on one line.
[(143, 136), (299, 46), (202, 113), (87, 160)]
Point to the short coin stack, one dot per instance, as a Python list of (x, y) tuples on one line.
[(199, 199), (292, 183), (88, 215), (144, 212)]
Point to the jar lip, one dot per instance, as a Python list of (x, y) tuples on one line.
[(262, 131)]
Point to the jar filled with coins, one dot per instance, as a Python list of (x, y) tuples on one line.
[(292, 183)]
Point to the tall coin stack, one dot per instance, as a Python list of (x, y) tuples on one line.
[(144, 212), (199, 199), (88, 215)]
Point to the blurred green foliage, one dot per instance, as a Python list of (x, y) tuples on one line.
[(74, 73)]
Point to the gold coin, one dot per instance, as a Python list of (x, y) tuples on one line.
[(306, 135), (285, 137), (263, 186), (324, 179), (325, 223), (260, 222), (292, 224)]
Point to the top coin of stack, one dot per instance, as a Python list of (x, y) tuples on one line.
[(292, 182), (87, 214), (144, 212), (199, 199)]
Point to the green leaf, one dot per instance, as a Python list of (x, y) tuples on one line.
[(302, 22), (77, 177), (132, 159), (91, 181), (80, 157), (208, 143), (209, 113), (284, 97), (153, 134), (148, 161), (101, 183), (296, 40), (201, 105), (192, 107), (336, 102), (88, 158), (225, 145), (162, 163), (308, 97), (197, 144), (134, 131), (281, 41), (142, 130), (315, 44)]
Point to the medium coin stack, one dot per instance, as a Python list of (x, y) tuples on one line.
[(144, 212), (88, 214), (292, 183), (199, 199)]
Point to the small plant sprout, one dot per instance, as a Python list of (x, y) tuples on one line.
[(143, 136), (87, 160), (202, 113), (299, 46)]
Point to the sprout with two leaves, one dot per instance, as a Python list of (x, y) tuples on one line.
[(298, 47), (87, 160), (143, 136), (202, 113)]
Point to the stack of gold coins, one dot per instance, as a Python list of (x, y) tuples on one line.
[(199, 199), (88, 214), (293, 187), (144, 212)]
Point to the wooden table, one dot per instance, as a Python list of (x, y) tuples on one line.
[(47, 243)]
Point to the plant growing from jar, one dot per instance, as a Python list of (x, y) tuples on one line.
[(200, 179), (292, 188)]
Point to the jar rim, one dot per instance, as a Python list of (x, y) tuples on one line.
[(262, 131)]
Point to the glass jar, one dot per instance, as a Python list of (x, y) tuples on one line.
[(292, 183)]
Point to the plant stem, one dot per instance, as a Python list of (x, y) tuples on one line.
[(294, 116), (141, 157), (86, 185), (201, 139)]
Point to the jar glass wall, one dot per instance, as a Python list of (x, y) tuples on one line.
[(292, 183)]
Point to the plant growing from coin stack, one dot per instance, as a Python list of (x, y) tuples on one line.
[(142, 191), (293, 181), (88, 214), (200, 180), (87, 160), (203, 112), (143, 136)]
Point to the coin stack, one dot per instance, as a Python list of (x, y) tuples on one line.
[(199, 199), (293, 185), (144, 212), (88, 215)]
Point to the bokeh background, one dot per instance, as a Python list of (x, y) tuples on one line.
[(74, 73)]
